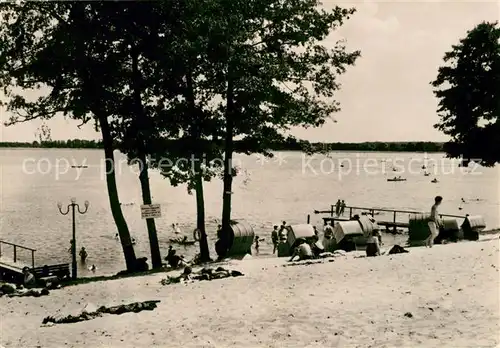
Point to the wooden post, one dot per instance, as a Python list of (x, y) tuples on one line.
[(331, 210), (308, 218), (394, 220), (350, 213), (15, 254), (32, 258), (0, 249)]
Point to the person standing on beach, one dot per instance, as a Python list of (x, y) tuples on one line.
[(337, 207), (328, 230), (257, 245), (316, 233), (434, 222), (282, 232), (275, 238), (373, 244)]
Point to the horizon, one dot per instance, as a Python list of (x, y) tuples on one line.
[(386, 96), (321, 142)]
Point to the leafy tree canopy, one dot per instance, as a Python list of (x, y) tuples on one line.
[(468, 89)]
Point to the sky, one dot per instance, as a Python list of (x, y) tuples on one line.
[(386, 96)]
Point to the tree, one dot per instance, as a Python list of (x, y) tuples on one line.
[(43, 134), (467, 88), (52, 46), (140, 27), (177, 125), (266, 62), (190, 160)]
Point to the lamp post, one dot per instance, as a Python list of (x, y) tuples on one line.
[(73, 205)]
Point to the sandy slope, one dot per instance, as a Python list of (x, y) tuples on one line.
[(452, 291)]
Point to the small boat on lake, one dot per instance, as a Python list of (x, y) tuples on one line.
[(434, 180), (427, 174), (80, 166), (397, 179)]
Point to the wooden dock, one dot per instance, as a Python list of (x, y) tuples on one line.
[(11, 267), (393, 224)]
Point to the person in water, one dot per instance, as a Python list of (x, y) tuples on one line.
[(275, 238), (177, 229), (70, 249), (219, 231), (434, 222), (83, 254)]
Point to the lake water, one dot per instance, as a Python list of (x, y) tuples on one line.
[(288, 187)]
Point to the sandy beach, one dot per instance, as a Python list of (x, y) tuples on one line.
[(447, 296)]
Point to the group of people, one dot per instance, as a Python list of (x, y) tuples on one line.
[(83, 252), (304, 250), (278, 235), (83, 256), (340, 207)]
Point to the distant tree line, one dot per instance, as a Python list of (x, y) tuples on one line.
[(290, 144), (57, 144)]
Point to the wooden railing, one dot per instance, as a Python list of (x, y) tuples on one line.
[(17, 246), (372, 211)]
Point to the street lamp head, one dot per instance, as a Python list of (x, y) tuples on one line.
[(73, 200), (87, 204), (59, 205)]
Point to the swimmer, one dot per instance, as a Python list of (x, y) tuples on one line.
[(176, 228), (83, 254)]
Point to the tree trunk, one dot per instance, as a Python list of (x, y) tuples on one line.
[(141, 147), (228, 172), (150, 223), (200, 213), (198, 175), (114, 201)]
